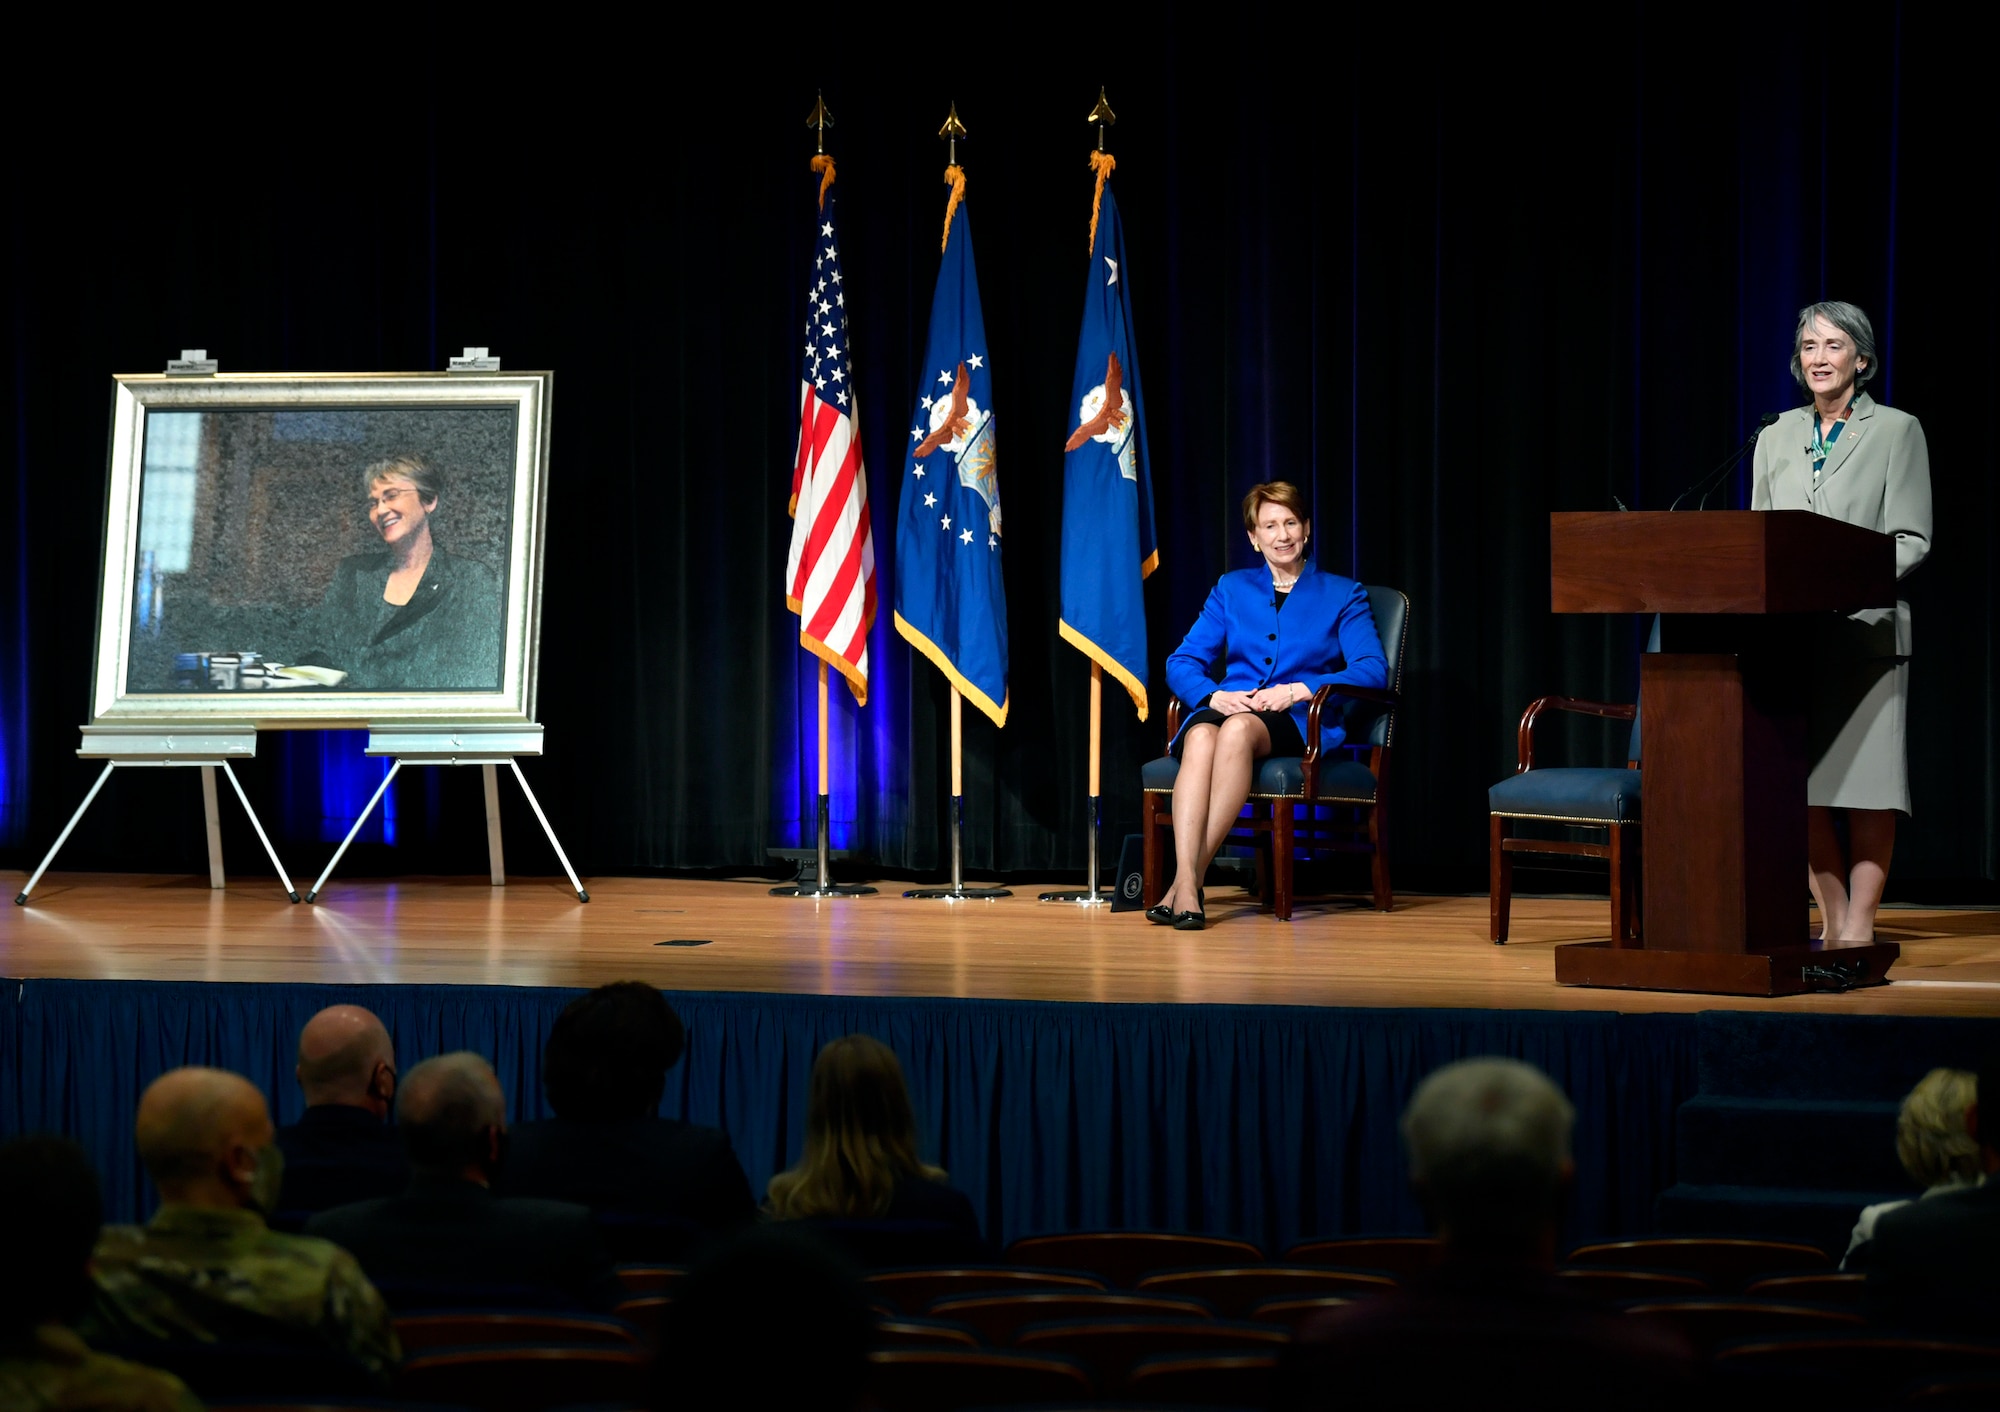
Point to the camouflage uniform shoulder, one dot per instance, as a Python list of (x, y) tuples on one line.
[(57, 1370)]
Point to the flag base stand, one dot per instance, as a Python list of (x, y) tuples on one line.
[(821, 886), (1090, 895), (958, 891)]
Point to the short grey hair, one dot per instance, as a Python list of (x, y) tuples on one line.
[(414, 469), (1489, 1143), (444, 1107), (1849, 319)]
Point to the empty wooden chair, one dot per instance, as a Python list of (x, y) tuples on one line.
[(939, 1379), (1726, 1262), (1235, 1291), (527, 1378), (1709, 1323), (1111, 1347), (460, 1328), (998, 1317), (911, 1290), (1122, 1257), (1400, 1256), (1204, 1379)]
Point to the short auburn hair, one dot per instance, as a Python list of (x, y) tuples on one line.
[(1279, 492)]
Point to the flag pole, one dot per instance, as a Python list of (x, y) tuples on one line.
[(952, 130), (819, 120), (1093, 807)]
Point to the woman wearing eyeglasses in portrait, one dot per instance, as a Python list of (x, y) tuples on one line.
[(1848, 456), (1282, 630)]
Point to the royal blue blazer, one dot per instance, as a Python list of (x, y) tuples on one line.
[(1324, 634)]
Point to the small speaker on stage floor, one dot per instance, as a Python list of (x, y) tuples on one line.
[(1129, 893)]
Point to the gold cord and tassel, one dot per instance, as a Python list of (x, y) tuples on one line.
[(1103, 163), (954, 176), (823, 164)]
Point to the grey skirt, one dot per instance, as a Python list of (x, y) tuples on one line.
[(1856, 721)]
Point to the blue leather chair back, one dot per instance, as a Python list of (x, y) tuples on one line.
[(1369, 723)]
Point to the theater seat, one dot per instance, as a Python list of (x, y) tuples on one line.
[(912, 1290), (526, 1377), (1235, 1291), (939, 1379), (1709, 1323), (1112, 1347), (907, 1332), (998, 1317), (459, 1328), (1602, 1282), (1400, 1256), (1726, 1262), (1204, 1379), (1121, 1257)]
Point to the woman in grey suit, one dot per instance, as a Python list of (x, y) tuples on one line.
[(1848, 456)]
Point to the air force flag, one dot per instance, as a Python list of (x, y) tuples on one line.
[(950, 601), (1108, 544)]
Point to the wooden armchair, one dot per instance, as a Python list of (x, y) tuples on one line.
[(1581, 798)]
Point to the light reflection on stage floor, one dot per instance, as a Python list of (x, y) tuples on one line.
[(1431, 951)]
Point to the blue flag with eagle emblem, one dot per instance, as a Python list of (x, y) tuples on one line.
[(950, 601), (1108, 543)]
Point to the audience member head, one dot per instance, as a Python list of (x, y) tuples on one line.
[(347, 1060), (1490, 1158), (205, 1137), (1987, 1133), (861, 1136), (1932, 1138), (48, 1184), (609, 1053), (770, 1318), (453, 1117)]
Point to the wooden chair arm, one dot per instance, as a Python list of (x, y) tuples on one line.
[(1525, 741), (1174, 709)]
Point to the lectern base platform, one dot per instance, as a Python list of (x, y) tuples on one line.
[(1787, 971)]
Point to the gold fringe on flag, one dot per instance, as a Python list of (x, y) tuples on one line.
[(1103, 163), (954, 175), (823, 164)]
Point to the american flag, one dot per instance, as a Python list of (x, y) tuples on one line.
[(830, 572)]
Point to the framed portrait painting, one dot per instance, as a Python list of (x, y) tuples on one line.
[(306, 549)]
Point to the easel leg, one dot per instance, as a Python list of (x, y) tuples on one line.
[(213, 820), (255, 823), (561, 857), (21, 898), (338, 853), (496, 859)]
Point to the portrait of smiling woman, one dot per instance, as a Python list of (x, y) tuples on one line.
[(1848, 456), (411, 616)]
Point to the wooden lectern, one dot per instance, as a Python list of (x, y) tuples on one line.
[(1724, 757)]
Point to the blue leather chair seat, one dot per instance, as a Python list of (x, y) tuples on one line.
[(1340, 779), (1600, 796)]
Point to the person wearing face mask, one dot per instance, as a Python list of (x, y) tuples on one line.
[(1847, 456), (1280, 631), (448, 1228), (343, 1148), (206, 1267), (410, 617)]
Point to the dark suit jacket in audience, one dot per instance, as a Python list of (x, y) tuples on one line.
[(447, 1229), (917, 1199), (335, 1155), (1474, 1337), (646, 1166), (1935, 1265)]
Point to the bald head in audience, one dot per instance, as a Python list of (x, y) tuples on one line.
[(204, 1135), (347, 1059), (453, 1116)]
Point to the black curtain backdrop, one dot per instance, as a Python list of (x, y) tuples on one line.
[(1448, 273)]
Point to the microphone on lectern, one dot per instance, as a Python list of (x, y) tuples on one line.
[(1708, 483)]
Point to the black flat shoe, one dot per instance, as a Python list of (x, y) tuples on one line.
[(1190, 921), (1161, 916)]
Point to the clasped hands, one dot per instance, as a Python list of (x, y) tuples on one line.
[(1270, 698)]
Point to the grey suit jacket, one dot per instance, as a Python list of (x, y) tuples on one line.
[(1878, 476)]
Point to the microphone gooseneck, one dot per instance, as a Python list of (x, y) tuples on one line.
[(1707, 484)]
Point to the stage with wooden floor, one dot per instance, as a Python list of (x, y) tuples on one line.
[(1072, 1068), (1431, 951)]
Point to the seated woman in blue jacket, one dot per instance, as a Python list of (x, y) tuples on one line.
[(1282, 631)]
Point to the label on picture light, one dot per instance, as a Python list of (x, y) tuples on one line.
[(474, 360), (193, 363)]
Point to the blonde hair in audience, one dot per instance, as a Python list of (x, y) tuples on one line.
[(861, 1136), (1931, 1138)]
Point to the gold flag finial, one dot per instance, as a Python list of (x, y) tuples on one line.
[(819, 120), (952, 130), (1102, 116)]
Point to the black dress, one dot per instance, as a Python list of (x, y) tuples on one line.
[(446, 638), (1285, 737)]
